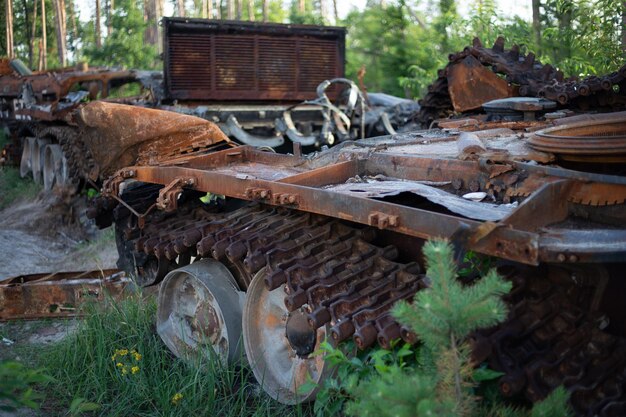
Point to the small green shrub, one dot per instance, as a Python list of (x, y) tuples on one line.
[(17, 383), (437, 378)]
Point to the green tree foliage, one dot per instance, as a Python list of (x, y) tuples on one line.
[(401, 43), (444, 382), (22, 27), (125, 46), (580, 37), (386, 42), (311, 15)]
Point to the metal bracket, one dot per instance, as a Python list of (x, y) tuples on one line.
[(258, 193), (285, 199), (168, 195), (382, 220), (111, 187)]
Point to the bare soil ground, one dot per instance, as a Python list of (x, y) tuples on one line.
[(52, 234), (45, 235)]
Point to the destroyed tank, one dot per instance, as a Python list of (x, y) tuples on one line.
[(297, 94), (270, 254), (36, 110), (263, 255)]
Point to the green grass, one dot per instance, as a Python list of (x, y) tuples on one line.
[(14, 188), (83, 367)]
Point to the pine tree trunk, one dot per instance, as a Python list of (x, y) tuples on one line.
[(218, 9), (336, 13), (97, 25), (44, 38), (160, 4), (70, 9), (151, 35), (110, 11), (322, 10), (41, 54), (230, 9), (251, 10), (301, 6), (624, 28), (239, 8), (9, 27), (537, 22), (266, 6), (29, 39), (181, 7), (33, 34), (59, 6)]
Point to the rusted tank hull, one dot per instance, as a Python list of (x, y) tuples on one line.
[(337, 234), (57, 295), (119, 135)]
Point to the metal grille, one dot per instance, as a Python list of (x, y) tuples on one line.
[(190, 61), (278, 64), (221, 60), (234, 63)]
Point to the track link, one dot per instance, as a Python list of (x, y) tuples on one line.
[(329, 267), (553, 337), (340, 278)]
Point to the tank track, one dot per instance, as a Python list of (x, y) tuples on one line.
[(341, 278), (81, 163), (533, 78), (331, 267), (553, 337)]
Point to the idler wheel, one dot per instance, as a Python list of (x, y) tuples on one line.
[(55, 170), (279, 344), (26, 162), (199, 308), (37, 158)]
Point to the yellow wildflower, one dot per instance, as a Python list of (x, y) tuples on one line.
[(119, 364), (123, 352), (134, 369), (176, 398), (137, 356), (124, 370)]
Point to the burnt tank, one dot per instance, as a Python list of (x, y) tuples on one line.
[(270, 254)]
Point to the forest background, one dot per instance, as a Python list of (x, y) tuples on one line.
[(400, 43)]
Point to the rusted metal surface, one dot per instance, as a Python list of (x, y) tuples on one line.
[(118, 135), (57, 294), (200, 307), (266, 320), (227, 60), (600, 140), (525, 77), (291, 244), (471, 84), (422, 222), (49, 95), (328, 243)]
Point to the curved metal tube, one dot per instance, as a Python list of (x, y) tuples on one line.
[(293, 134), (240, 134)]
